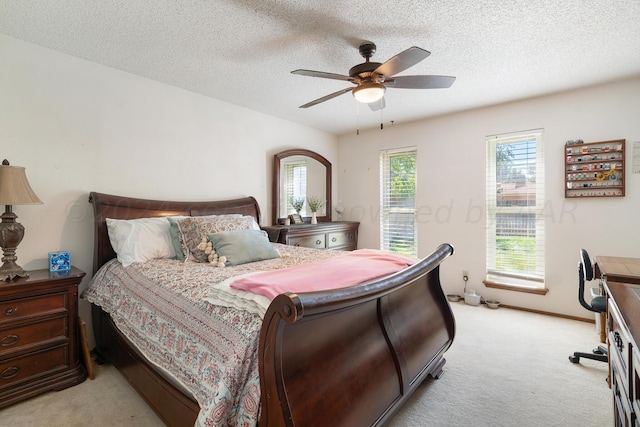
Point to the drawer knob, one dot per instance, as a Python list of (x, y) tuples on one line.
[(9, 372), (9, 340), (9, 311), (318, 242), (334, 240)]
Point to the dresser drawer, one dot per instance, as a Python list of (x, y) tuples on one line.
[(19, 369), (621, 404), (619, 346), (324, 235), (20, 337), (310, 241), (340, 238), (25, 307)]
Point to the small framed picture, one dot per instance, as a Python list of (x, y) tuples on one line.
[(59, 261), (295, 219)]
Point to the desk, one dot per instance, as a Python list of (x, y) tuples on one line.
[(619, 269), (616, 269), (621, 278)]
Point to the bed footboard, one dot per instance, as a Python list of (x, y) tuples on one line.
[(352, 356)]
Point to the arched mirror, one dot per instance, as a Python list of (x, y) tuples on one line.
[(300, 174)]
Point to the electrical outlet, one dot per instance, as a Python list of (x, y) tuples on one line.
[(465, 275)]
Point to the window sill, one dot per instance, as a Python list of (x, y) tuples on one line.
[(529, 290)]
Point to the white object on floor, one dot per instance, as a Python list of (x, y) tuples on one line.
[(471, 297)]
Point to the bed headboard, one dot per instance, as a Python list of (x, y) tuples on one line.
[(117, 207)]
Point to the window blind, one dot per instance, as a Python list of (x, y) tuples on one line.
[(296, 184), (515, 209), (398, 231)]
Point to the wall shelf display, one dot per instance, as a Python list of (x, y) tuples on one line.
[(594, 169)]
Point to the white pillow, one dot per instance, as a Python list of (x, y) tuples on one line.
[(139, 240), (254, 224)]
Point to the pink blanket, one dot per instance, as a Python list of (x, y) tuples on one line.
[(337, 272)]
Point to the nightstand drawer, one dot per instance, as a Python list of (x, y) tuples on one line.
[(312, 241), (341, 238), (20, 337), (24, 368), (25, 307)]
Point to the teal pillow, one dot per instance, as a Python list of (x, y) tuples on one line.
[(243, 246), (175, 237)]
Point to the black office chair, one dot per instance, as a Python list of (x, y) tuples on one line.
[(598, 305)]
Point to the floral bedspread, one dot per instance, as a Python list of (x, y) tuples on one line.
[(162, 307)]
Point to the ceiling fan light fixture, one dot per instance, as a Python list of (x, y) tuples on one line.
[(372, 78), (369, 92)]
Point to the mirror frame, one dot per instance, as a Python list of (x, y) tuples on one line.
[(277, 158)]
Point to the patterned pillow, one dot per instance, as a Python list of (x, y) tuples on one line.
[(193, 229)]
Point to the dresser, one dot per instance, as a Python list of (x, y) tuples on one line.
[(39, 346), (339, 235), (621, 283)]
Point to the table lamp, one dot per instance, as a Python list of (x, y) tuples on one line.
[(14, 190)]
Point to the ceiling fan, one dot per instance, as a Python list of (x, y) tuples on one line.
[(372, 78)]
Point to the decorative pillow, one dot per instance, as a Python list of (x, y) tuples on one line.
[(176, 235), (242, 246), (193, 229), (139, 240), (176, 241)]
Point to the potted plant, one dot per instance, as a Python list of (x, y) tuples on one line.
[(314, 203)]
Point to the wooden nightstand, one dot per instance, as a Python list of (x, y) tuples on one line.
[(39, 348)]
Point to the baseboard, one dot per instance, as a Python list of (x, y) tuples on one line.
[(549, 313)]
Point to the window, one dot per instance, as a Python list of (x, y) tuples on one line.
[(515, 210), (295, 174), (398, 231)]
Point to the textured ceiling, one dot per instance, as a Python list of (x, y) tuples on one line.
[(242, 51)]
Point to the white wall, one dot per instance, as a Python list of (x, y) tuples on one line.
[(78, 127), (451, 186)]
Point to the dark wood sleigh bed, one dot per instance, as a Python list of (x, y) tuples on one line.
[(350, 356)]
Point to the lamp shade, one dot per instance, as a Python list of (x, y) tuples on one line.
[(369, 92), (14, 187)]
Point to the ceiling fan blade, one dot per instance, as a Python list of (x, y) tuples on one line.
[(322, 74), (402, 61), (326, 98), (378, 105), (420, 82)]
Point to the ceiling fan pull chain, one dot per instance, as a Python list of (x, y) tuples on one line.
[(357, 118), (381, 114)]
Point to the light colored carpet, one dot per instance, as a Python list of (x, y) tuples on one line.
[(108, 400), (511, 368), (505, 368)]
